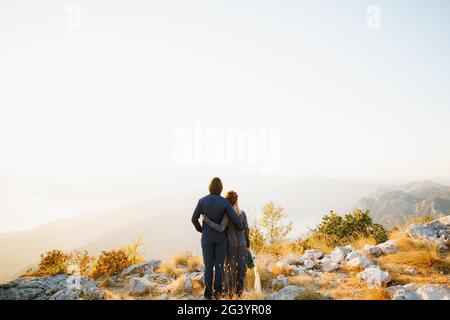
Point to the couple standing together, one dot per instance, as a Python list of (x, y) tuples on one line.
[(225, 241)]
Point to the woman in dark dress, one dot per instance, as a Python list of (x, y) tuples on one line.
[(237, 250)]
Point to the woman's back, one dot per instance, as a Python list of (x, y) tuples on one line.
[(236, 237)]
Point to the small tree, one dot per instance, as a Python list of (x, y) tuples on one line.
[(257, 238), (110, 263), (273, 223), (52, 263)]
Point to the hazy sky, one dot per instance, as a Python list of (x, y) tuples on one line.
[(104, 89)]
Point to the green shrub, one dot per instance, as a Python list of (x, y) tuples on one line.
[(343, 230)]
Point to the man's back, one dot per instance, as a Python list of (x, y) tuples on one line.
[(214, 207)]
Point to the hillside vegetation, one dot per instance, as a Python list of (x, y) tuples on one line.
[(344, 257)]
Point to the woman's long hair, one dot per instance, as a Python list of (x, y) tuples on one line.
[(231, 196)]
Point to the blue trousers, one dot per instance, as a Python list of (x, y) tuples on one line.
[(214, 253)]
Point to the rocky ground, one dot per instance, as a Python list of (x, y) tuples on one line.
[(413, 265)]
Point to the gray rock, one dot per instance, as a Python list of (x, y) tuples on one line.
[(187, 282), (280, 282), (162, 278), (325, 259), (61, 287), (402, 293), (164, 296), (434, 292), (312, 254), (287, 293), (411, 271), (445, 221), (388, 246), (361, 261), (339, 254), (353, 255), (442, 245), (374, 277), (330, 266), (328, 296), (293, 259), (373, 251), (297, 270), (140, 286), (197, 276), (308, 264), (142, 268), (436, 229)]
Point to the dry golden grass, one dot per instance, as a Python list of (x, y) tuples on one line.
[(420, 255), (182, 258), (400, 276), (402, 241), (372, 294), (281, 270), (169, 268), (319, 243), (252, 295), (430, 265), (282, 249), (197, 285), (302, 281), (177, 286), (265, 276), (194, 263), (350, 269), (310, 294), (348, 287), (249, 280), (407, 221), (113, 295), (133, 251), (421, 260), (361, 242)]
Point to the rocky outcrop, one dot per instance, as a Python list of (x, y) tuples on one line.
[(287, 293), (414, 292), (361, 261), (280, 282), (60, 287), (141, 286), (433, 230), (339, 254), (381, 248), (373, 251), (142, 268), (406, 292), (309, 264), (434, 292), (436, 231), (187, 283), (374, 277), (330, 266), (293, 259)]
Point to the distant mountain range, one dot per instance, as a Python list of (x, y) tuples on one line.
[(392, 206)]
